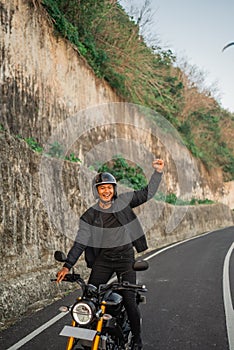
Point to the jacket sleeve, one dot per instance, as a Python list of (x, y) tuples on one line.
[(80, 244), (140, 244), (141, 196), (74, 254)]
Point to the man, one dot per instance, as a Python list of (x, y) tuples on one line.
[(108, 232)]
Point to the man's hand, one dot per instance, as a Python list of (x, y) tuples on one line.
[(61, 274), (158, 165)]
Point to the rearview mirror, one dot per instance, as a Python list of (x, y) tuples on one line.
[(60, 256), (140, 265)]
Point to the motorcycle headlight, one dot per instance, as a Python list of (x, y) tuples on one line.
[(83, 312)]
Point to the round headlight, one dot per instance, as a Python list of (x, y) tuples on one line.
[(83, 312)]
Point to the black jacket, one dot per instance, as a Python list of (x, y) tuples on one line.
[(89, 236)]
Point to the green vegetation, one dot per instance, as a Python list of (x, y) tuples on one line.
[(125, 173), (33, 144), (112, 45), (55, 149), (110, 41), (73, 158), (133, 176), (202, 135), (171, 198)]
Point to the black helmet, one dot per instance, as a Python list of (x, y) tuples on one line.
[(103, 178)]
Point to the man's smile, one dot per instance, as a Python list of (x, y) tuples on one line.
[(106, 192)]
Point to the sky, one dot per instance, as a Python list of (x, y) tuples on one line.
[(197, 31)]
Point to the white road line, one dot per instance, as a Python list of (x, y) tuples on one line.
[(177, 243), (228, 306), (37, 331)]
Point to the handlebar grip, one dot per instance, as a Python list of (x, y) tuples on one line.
[(135, 286), (69, 278)]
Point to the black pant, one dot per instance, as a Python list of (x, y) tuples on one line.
[(102, 272)]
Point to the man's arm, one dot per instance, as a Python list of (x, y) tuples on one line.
[(141, 196), (145, 194), (74, 254), (76, 250)]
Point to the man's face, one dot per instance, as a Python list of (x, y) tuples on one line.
[(106, 192)]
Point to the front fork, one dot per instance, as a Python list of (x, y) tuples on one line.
[(70, 341), (99, 328), (96, 340)]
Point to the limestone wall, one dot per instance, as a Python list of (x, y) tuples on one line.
[(43, 78)]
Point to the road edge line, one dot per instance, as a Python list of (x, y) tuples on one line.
[(228, 306), (37, 331), (177, 243)]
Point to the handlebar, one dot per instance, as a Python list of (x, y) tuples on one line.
[(71, 277), (126, 284), (121, 286), (103, 288)]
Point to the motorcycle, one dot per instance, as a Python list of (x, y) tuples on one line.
[(99, 319)]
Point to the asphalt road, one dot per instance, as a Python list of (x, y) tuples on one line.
[(185, 306), (185, 301)]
